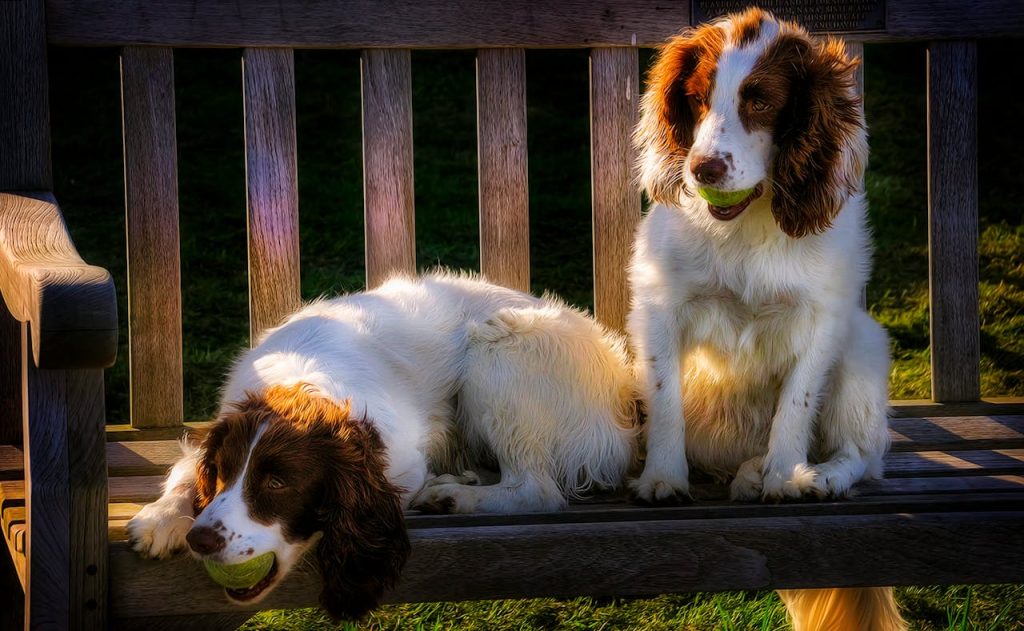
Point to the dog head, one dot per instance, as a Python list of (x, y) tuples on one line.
[(754, 103), (285, 468)]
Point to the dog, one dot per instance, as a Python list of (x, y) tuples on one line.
[(756, 360), (339, 419)]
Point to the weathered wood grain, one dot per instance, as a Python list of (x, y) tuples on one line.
[(151, 208), (87, 470), (954, 462), (47, 497), (388, 201), (459, 24), (953, 220), (71, 306), (965, 432), (639, 558), (969, 485), (10, 380), (272, 186), (502, 160), (998, 406), (614, 98), (24, 98), (143, 457), (368, 24), (953, 19), (118, 432)]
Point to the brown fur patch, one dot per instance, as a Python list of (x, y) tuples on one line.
[(820, 118), (679, 85), (315, 469), (746, 26)]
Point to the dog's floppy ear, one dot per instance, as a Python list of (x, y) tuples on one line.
[(206, 468), (820, 135), (365, 544), (678, 84)]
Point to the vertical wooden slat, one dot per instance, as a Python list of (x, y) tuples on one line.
[(151, 205), (47, 498), (387, 164), (87, 472), (501, 143), (272, 186), (24, 104), (65, 496), (10, 378), (953, 220), (614, 96)]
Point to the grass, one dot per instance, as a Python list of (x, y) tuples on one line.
[(87, 157)]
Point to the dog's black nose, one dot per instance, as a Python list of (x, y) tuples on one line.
[(708, 170), (204, 540)]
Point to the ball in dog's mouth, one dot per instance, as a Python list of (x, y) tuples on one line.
[(244, 581), (727, 205)]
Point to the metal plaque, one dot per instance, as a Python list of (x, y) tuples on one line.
[(817, 16)]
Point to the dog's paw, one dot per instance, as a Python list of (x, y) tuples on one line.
[(446, 498), (833, 479), (790, 483), (747, 485), (158, 530), (660, 490)]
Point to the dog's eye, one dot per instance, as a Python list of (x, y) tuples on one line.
[(760, 106), (275, 483)]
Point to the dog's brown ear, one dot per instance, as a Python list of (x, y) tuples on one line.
[(365, 544), (820, 135), (678, 87), (206, 467)]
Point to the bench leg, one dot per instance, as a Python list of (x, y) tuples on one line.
[(12, 598), (65, 496)]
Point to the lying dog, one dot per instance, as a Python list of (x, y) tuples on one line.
[(756, 359), (339, 418)]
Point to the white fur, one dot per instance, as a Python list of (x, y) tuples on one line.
[(755, 357), (452, 372)]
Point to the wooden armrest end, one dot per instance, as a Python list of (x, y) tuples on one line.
[(70, 306)]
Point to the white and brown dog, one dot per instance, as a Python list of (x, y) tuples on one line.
[(756, 359), (341, 417)]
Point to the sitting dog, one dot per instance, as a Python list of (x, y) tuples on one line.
[(756, 359), (339, 418)]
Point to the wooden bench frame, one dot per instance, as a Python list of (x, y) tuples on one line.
[(58, 323)]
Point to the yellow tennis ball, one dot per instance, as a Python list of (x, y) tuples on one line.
[(723, 199), (241, 575)]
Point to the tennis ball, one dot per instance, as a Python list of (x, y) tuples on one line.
[(241, 575), (723, 199)]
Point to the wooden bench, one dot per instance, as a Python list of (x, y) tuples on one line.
[(950, 511)]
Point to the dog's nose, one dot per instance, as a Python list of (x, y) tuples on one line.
[(708, 170), (204, 540)]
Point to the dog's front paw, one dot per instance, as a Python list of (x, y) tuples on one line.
[(656, 489), (747, 485), (789, 483), (158, 530), (446, 498)]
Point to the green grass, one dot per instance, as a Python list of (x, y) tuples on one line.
[(87, 156)]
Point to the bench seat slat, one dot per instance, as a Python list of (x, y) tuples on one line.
[(388, 201), (151, 208), (670, 555), (614, 102), (271, 182), (504, 191)]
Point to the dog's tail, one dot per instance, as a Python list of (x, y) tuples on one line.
[(843, 609)]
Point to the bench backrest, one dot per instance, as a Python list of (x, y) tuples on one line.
[(267, 32)]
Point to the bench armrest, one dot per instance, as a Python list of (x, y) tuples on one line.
[(70, 306)]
